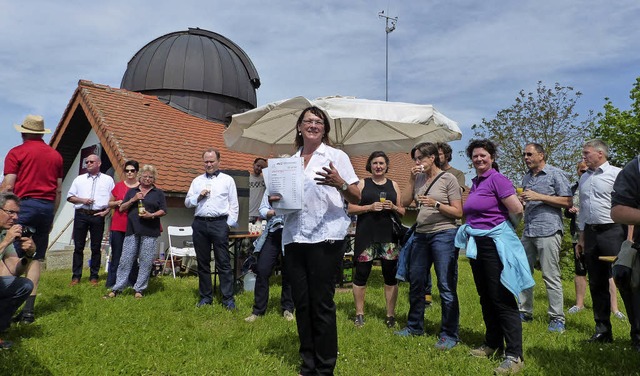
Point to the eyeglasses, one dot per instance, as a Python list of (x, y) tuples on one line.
[(11, 212), (312, 122), (527, 154), (129, 171)]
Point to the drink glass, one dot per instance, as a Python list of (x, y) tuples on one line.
[(383, 196), (519, 190)]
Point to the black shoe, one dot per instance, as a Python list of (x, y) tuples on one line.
[(24, 317), (390, 321), (202, 303), (601, 338)]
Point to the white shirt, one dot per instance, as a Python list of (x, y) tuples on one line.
[(223, 199), (98, 187), (322, 216), (595, 195)]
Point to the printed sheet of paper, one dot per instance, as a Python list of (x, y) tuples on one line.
[(285, 177)]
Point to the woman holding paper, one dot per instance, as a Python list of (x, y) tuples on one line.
[(314, 240)]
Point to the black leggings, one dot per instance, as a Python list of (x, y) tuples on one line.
[(363, 269)]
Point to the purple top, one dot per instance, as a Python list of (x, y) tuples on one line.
[(484, 209)]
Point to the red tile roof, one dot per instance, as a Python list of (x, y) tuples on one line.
[(131, 125)]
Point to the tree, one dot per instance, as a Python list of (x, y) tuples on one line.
[(621, 129), (545, 117)]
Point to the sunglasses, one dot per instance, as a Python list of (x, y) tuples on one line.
[(527, 154), (129, 170)]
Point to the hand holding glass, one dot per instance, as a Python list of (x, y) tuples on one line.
[(383, 196)]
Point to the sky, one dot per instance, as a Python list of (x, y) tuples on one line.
[(467, 58)]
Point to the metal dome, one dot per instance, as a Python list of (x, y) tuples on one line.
[(197, 71)]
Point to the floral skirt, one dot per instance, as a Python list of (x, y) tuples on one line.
[(385, 251)]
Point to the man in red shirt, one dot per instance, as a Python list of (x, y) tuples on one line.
[(33, 172)]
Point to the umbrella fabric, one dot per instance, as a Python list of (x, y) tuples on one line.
[(358, 126)]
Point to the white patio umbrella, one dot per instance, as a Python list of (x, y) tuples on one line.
[(358, 126)]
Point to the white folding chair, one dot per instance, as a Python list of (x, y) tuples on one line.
[(181, 246)]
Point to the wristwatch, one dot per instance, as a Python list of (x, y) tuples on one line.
[(344, 186), (437, 205)]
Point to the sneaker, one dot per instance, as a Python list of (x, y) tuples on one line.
[(484, 351), (575, 309), (390, 321), (405, 332), (231, 306), (5, 345), (620, 316), (525, 317), (510, 365), (251, 318), (556, 326), (359, 321), (445, 343), (288, 315)]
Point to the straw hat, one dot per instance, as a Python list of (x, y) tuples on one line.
[(32, 124)]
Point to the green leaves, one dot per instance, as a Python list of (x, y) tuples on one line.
[(621, 129), (545, 116)]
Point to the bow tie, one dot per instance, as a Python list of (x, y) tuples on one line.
[(208, 176)]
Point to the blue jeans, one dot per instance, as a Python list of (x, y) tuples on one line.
[(435, 249), (38, 214), (13, 292)]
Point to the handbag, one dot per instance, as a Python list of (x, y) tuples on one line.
[(405, 233)]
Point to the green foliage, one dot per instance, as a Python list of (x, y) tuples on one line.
[(78, 333), (621, 129), (546, 117)]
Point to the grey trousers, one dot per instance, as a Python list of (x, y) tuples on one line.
[(547, 251)]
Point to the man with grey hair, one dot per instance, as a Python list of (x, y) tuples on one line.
[(546, 191), (599, 235), (14, 290)]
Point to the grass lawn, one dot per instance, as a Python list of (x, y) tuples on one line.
[(78, 333)]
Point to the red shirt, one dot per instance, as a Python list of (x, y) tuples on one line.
[(119, 220), (37, 167)]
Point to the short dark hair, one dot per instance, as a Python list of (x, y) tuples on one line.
[(427, 149), (446, 150), (133, 164), (259, 159), (487, 145), (374, 155), (319, 113), (538, 148)]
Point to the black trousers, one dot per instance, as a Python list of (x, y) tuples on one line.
[(94, 225), (271, 250), (602, 243), (312, 271), (499, 307), (206, 234)]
